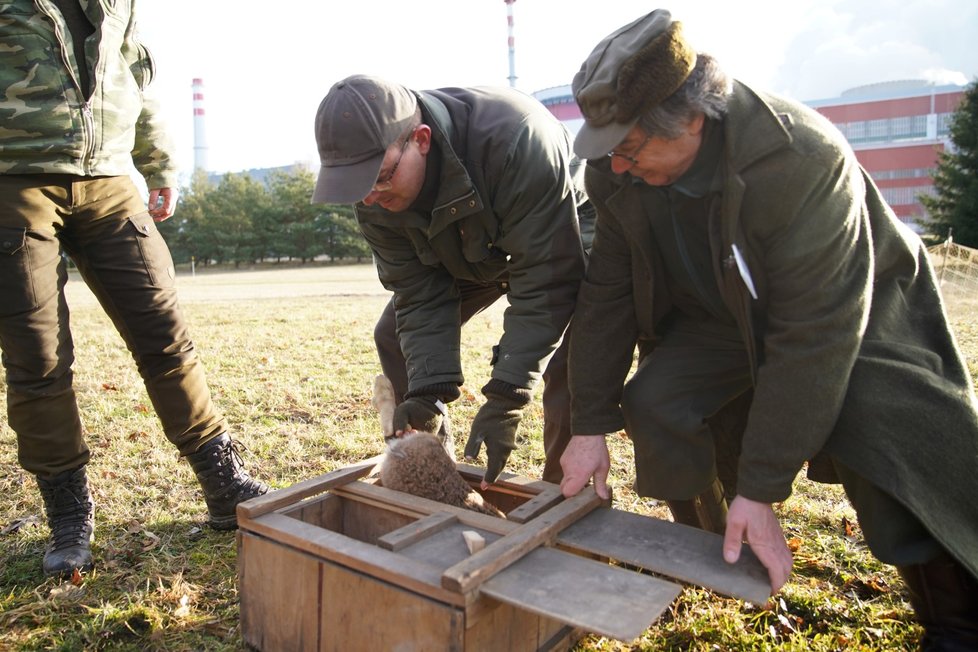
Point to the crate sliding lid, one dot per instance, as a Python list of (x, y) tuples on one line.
[(521, 569)]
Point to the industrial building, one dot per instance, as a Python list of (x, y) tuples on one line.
[(897, 129)]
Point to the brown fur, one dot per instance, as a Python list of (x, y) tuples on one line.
[(418, 464), (654, 73)]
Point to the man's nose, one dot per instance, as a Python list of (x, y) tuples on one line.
[(620, 165), (372, 198)]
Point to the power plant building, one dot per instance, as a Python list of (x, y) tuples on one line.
[(897, 130)]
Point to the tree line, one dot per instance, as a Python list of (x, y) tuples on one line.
[(953, 207), (240, 220)]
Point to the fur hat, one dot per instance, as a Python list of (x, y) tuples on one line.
[(630, 71)]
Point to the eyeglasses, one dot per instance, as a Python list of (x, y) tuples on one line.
[(631, 159), (385, 184)]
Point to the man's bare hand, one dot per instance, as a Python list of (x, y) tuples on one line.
[(756, 525), (585, 457), (162, 203)]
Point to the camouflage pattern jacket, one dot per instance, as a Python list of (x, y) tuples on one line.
[(48, 126)]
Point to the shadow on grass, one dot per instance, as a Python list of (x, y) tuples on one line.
[(155, 586)]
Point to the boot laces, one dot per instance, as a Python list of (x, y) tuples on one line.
[(70, 510), (230, 468)]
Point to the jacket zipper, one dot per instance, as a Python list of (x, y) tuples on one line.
[(88, 113)]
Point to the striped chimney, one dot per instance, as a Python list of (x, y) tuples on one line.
[(200, 138), (512, 42)]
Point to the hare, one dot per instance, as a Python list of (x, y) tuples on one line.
[(419, 463)]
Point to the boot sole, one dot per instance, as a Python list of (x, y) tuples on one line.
[(223, 524), (67, 573)]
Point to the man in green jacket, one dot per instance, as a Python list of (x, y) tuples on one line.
[(73, 121), (465, 195), (751, 260)]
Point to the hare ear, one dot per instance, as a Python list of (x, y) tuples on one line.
[(383, 401)]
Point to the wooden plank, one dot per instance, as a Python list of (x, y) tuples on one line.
[(603, 599), (279, 498), (325, 510), (506, 628), (445, 548), (409, 504), (468, 574), (506, 482), (414, 532), (679, 551), (367, 522), (535, 506), (362, 613), (363, 557), (272, 580)]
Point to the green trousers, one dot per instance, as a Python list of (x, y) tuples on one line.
[(101, 223)]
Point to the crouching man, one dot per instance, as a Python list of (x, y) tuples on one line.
[(744, 251)]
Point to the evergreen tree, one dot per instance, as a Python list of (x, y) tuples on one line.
[(181, 231), (954, 204)]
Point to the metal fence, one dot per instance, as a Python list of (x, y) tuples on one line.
[(957, 270)]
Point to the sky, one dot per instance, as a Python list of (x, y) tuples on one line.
[(267, 65)]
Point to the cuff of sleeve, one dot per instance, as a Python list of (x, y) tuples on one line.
[(446, 392), (496, 388)]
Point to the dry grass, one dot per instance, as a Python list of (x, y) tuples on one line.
[(290, 359)]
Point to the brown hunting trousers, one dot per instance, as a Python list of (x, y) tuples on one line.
[(101, 223)]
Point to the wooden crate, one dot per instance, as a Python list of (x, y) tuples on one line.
[(340, 563)]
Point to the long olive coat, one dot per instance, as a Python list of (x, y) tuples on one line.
[(850, 346)]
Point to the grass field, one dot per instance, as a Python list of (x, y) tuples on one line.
[(290, 359)]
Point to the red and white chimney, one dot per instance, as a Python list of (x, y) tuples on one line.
[(511, 42), (200, 138)]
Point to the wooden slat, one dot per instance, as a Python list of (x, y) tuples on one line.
[(535, 506), (685, 553), (416, 531), (603, 599), (279, 498), (506, 482), (363, 557), (468, 574)]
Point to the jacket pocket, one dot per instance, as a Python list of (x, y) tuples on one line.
[(477, 242), (154, 252), (16, 282)]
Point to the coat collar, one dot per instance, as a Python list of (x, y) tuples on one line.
[(457, 195), (752, 129)]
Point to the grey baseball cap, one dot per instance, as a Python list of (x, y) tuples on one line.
[(357, 121), (628, 72)]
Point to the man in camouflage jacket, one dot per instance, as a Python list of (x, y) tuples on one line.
[(465, 195), (74, 118)]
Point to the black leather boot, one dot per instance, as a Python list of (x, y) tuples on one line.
[(945, 598), (706, 511), (71, 518), (218, 467)]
